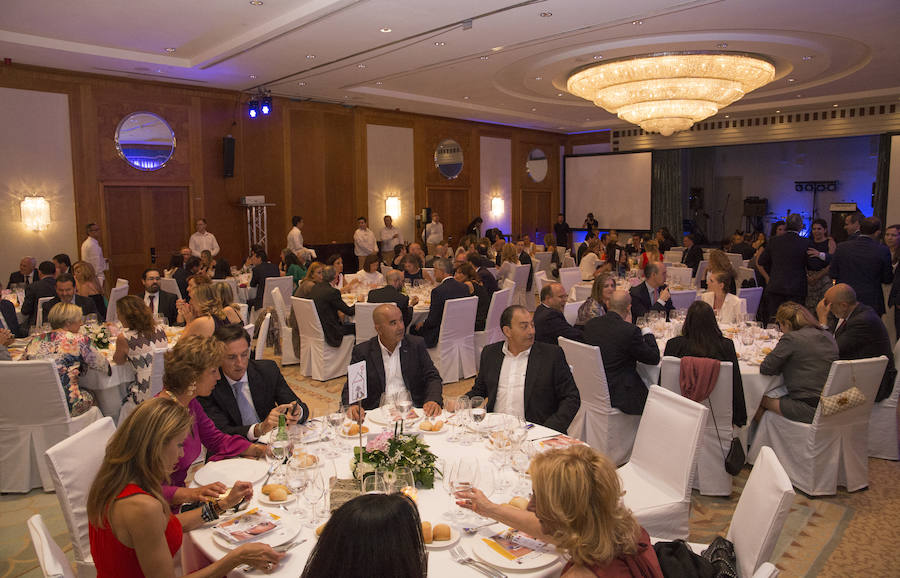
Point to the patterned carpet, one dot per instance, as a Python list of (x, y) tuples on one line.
[(844, 535)]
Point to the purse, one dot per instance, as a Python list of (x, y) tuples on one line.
[(722, 557), (845, 400), (735, 458)]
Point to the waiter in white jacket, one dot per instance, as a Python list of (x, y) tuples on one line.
[(93, 253), (433, 233)]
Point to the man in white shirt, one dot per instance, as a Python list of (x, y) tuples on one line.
[(433, 233), (203, 240), (93, 253), (295, 237), (390, 236), (160, 302), (590, 261), (364, 243)]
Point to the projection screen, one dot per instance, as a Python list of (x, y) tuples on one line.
[(615, 187)]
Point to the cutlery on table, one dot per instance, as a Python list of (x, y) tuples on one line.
[(282, 548), (474, 529), (459, 555)]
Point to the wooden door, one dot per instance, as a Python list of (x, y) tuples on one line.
[(453, 207), (143, 223), (536, 219)]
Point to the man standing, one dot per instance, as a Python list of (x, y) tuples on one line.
[(93, 253), (262, 270), (203, 239), (391, 293), (447, 288), (784, 259), (390, 236), (525, 259), (652, 294), (330, 307), (692, 254), (295, 237), (45, 286), (181, 276), (864, 264), (622, 345), (26, 275), (852, 224), (433, 233), (65, 293), (549, 321), (396, 362), (526, 378), (364, 243), (160, 302), (561, 231), (250, 393)]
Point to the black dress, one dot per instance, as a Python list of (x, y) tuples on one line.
[(484, 304)]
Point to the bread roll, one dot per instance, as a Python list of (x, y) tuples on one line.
[(267, 489), (426, 532), (353, 429), (278, 495), (441, 533), (437, 425), (425, 425), (519, 502), (320, 529)]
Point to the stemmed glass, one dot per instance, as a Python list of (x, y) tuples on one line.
[(478, 412), (406, 482), (314, 491), (329, 476), (403, 402), (373, 484), (297, 481), (463, 477), (334, 421), (447, 468), (463, 405)]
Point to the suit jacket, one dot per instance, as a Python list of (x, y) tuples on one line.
[(46, 287), (86, 303), (622, 346), (785, 260), (260, 273), (862, 335), (640, 302), (745, 249), (525, 259), (267, 389), (17, 277), (551, 397), (8, 311), (328, 302), (550, 324), (166, 305), (181, 276), (448, 289), (390, 294), (864, 264), (692, 257), (488, 279), (420, 376)]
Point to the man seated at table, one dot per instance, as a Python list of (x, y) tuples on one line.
[(160, 302), (692, 254), (526, 378), (394, 362), (858, 331), (549, 321), (181, 276), (651, 294), (440, 252), (330, 308), (44, 287), (525, 259), (483, 267), (26, 275), (65, 293), (622, 345), (262, 270), (447, 288), (391, 293), (250, 393), (9, 320)]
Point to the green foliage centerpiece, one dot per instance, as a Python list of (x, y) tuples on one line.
[(396, 450)]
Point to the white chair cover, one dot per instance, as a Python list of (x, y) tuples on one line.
[(243, 311), (671, 256), (543, 261), (601, 426), (114, 296), (679, 276), (883, 423), (683, 299), (385, 269), (318, 359), (581, 292), (570, 311), (521, 296), (53, 561), (283, 284), (508, 284), (121, 282), (288, 357), (492, 333), (157, 370), (494, 271), (767, 570), (250, 328), (454, 355), (569, 277), (540, 279), (737, 260), (33, 417), (701, 273), (752, 295), (73, 464), (744, 274), (233, 285), (365, 325), (262, 337), (568, 262), (40, 311), (709, 475), (832, 450), (170, 285), (657, 479)]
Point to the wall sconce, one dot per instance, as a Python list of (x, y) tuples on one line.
[(36, 213), (497, 206), (392, 206)]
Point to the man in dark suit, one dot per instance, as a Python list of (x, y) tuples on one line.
[(250, 393), (622, 345), (692, 254), (65, 293), (44, 287), (549, 321), (652, 294), (160, 302), (181, 276), (330, 307), (8, 319), (391, 293), (864, 264), (858, 331), (482, 266), (525, 259), (561, 231), (27, 273), (738, 245), (394, 362), (447, 288), (262, 270), (537, 385), (784, 259)]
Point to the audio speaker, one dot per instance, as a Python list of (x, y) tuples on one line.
[(228, 156), (755, 207)]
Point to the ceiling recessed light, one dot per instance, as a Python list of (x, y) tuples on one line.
[(533, 110), (588, 118), (378, 83), (170, 50), (347, 96), (546, 14), (637, 22), (302, 83), (310, 56), (834, 105), (439, 43), (539, 78), (160, 70), (559, 94), (360, 66), (256, 2), (496, 49), (598, 56), (465, 98), (799, 96), (386, 29), (484, 57), (777, 112), (722, 45), (807, 58), (252, 76), (791, 79), (727, 116)]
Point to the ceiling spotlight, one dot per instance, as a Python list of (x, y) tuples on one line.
[(252, 77), (834, 105), (465, 98), (559, 94), (170, 50), (256, 2), (378, 83), (777, 112), (266, 106), (598, 56), (533, 110), (807, 58), (637, 22), (539, 78), (302, 83), (722, 45), (386, 29), (484, 57), (439, 43), (546, 14), (310, 56), (347, 96), (253, 108), (727, 116), (360, 66), (791, 79), (496, 49)]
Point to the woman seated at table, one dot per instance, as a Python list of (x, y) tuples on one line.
[(71, 351), (136, 344), (87, 285), (205, 312), (651, 253), (192, 369), (131, 529), (727, 306), (718, 262), (577, 506), (340, 282), (701, 337), (313, 276), (595, 306), (412, 269), (371, 535), (291, 266), (550, 247), (803, 356), (509, 258), (225, 297), (467, 274), (397, 258), (370, 276)]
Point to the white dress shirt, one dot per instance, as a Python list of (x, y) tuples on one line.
[(511, 385), (93, 254), (588, 266), (393, 377), (200, 242), (388, 241), (433, 233), (295, 239), (154, 308), (364, 242), (244, 390)]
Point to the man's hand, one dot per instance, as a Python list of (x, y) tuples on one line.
[(822, 311), (6, 337), (356, 413), (432, 409), (419, 326), (664, 294), (413, 301)]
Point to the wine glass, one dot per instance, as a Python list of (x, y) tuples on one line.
[(334, 421), (446, 468), (296, 482), (373, 484), (314, 491), (464, 477), (406, 481), (478, 412), (329, 475), (403, 402), (463, 410)]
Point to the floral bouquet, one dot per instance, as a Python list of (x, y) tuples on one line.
[(396, 450), (98, 334)]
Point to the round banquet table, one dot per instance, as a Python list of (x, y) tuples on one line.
[(199, 547), (419, 312)]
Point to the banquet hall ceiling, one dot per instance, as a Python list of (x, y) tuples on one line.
[(497, 61)]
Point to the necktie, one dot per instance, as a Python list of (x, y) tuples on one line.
[(245, 406), (152, 310), (656, 295)]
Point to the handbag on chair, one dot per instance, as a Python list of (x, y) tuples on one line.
[(734, 460)]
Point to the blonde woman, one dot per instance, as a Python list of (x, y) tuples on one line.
[(509, 258), (596, 305), (651, 253), (577, 506), (727, 306), (207, 313), (87, 285)]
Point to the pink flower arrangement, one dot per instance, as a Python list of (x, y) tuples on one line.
[(380, 443)]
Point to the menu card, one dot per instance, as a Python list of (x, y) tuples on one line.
[(247, 526), (559, 441)]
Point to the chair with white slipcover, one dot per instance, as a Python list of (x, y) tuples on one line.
[(679, 276), (157, 370), (285, 285), (492, 333), (569, 277), (114, 296), (570, 311), (508, 284), (243, 311), (40, 311), (250, 328), (883, 423), (170, 285), (288, 357), (752, 295), (700, 277), (581, 292), (597, 423), (53, 561), (121, 282), (540, 279), (683, 299), (521, 296), (568, 262), (744, 274), (263, 336), (365, 324), (454, 354), (318, 359), (543, 261), (832, 450), (657, 478)]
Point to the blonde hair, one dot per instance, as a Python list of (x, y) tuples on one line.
[(190, 357), (651, 248), (578, 499), (719, 262), (509, 253), (134, 454), (62, 314), (599, 282), (795, 316), (224, 294), (84, 274), (206, 301)]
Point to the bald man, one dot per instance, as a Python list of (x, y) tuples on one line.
[(395, 362)]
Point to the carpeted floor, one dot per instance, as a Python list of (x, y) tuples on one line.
[(843, 535)]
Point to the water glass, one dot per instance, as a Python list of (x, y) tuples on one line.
[(315, 490)]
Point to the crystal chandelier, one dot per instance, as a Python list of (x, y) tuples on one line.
[(670, 91)]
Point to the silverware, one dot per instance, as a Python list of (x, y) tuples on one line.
[(272, 467), (281, 549), (474, 529), (460, 556)]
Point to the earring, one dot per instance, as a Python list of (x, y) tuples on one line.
[(192, 389)]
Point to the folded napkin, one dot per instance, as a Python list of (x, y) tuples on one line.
[(697, 377)]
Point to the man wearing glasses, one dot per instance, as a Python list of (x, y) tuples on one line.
[(160, 302)]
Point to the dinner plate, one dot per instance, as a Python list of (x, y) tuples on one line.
[(264, 499), (289, 529), (443, 429), (342, 432), (487, 554), (230, 471), (443, 545), (378, 416)]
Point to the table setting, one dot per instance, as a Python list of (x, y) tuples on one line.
[(422, 290)]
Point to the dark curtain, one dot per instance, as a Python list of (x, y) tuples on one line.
[(666, 208), (882, 173)]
